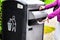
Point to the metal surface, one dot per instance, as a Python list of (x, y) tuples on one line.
[(31, 1), (35, 32), (36, 14)]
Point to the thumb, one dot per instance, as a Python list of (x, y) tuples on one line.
[(48, 20)]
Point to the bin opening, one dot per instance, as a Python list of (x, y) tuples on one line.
[(40, 19), (34, 10), (32, 22)]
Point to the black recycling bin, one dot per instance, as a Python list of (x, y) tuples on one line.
[(14, 19)]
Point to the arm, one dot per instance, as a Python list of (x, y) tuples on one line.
[(51, 5), (56, 12)]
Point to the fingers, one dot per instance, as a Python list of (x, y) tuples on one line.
[(43, 20), (41, 8), (46, 20)]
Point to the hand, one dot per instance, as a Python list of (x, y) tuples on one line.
[(41, 8), (46, 20)]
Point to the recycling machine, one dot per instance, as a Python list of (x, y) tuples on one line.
[(22, 20)]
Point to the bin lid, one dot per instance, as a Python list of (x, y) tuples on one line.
[(31, 1), (37, 15)]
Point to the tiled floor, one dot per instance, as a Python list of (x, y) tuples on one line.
[(49, 36)]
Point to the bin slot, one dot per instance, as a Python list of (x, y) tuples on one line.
[(30, 29), (34, 10)]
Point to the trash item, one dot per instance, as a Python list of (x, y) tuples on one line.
[(48, 29)]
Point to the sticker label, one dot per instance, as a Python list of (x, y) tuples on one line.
[(19, 6), (12, 24)]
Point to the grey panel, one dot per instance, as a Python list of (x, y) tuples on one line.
[(36, 32), (36, 14)]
